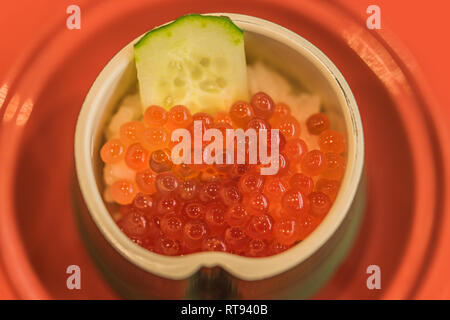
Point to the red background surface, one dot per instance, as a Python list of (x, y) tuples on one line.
[(421, 26)]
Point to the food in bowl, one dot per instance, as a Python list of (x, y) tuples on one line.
[(194, 88)]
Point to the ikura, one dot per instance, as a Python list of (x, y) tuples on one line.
[(281, 110), (136, 157), (295, 149), (317, 123), (331, 141), (177, 209), (132, 132), (123, 191), (194, 210), (241, 113), (155, 116), (274, 188), (143, 202), (286, 230), (214, 244), (155, 138), (302, 182), (206, 119), (263, 105), (166, 182), (179, 117), (235, 238), (112, 151), (288, 126)]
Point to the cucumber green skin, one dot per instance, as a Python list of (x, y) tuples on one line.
[(194, 17), (212, 86)]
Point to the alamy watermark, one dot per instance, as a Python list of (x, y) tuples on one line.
[(239, 147), (374, 20), (73, 21), (73, 281), (374, 280)]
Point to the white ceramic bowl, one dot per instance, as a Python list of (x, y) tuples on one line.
[(301, 61)]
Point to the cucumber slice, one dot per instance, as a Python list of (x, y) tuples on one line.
[(197, 61)]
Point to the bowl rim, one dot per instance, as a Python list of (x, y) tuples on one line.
[(244, 268)]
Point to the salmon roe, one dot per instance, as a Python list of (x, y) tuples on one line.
[(177, 209), (317, 123)]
